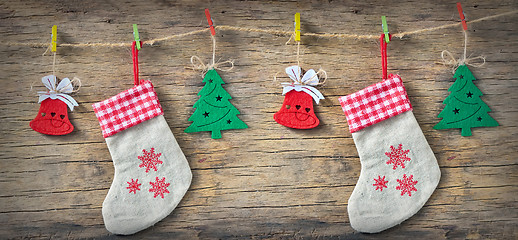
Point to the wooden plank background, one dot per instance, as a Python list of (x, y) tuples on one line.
[(267, 181)]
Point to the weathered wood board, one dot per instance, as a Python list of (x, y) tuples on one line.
[(267, 181)]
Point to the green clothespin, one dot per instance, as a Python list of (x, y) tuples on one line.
[(384, 26), (136, 36)]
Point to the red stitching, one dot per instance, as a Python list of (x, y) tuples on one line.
[(380, 183), (406, 185), (159, 187), (149, 159), (133, 186), (397, 156)]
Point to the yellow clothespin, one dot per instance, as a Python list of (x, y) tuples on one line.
[(297, 27), (54, 38)]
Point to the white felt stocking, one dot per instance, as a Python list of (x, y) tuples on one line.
[(399, 171), (151, 172)]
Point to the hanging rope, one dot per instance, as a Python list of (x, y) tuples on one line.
[(449, 60), (266, 31), (213, 65)]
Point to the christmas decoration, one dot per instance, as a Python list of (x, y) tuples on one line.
[(399, 171), (151, 172), (297, 109), (214, 112), (52, 118), (464, 108)]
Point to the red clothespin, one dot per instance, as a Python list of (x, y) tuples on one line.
[(461, 13), (209, 19)]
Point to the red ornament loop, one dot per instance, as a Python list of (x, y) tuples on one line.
[(134, 53), (384, 54)]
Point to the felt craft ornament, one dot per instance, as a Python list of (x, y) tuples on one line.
[(52, 118), (297, 110), (214, 112), (464, 109), (399, 171), (151, 172)]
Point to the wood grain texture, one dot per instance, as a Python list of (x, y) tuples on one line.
[(267, 181)]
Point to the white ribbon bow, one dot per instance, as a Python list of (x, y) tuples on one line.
[(309, 78), (59, 92)]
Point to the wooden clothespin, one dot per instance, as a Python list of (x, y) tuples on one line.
[(462, 18), (384, 27), (136, 36), (297, 27), (211, 25), (54, 38)]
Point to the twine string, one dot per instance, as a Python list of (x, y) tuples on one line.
[(197, 63), (465, 45), (298, 53), (54, 64), (298, 48), (79, 84), (320, 71), (53, 60), (75, 87), (70, 83), (213, 49), (449, 60), (266, 31), (289, 39)]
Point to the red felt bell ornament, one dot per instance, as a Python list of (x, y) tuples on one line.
[(52, 118), (297, 110)]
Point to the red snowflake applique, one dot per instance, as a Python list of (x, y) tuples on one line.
[(150, 159), (406, 185), (159, 187), (380, 183), (397, 156), (133, 186)]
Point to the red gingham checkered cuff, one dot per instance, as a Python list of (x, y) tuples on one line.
[(375, 103), (127, 109)]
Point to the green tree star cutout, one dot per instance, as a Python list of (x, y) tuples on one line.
[(464, 108), (214, 112)]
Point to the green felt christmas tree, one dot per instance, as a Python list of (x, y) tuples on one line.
[(214, 112), (464, 108)]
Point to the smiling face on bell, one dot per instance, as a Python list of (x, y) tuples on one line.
[(52, 118), (297, 111)]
